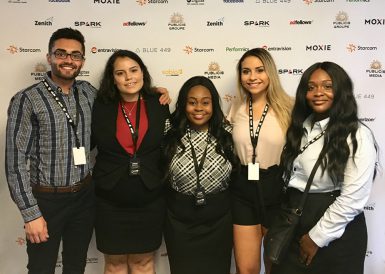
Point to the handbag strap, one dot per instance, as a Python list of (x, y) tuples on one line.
[(299, 209)]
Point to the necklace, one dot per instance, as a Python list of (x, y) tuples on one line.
[(129, 111)]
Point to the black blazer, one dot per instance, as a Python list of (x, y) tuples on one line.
[(112, 160)]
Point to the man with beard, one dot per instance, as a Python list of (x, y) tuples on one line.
[(48, 159)]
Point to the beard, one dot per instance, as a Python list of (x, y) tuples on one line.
[(63, 74)]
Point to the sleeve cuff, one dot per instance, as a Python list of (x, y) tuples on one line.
[(31, 213), (318, 237)]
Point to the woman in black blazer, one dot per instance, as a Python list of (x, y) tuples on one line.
[(127, 129)]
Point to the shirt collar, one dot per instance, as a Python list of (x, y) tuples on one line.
[(53, 85), (319, 125)]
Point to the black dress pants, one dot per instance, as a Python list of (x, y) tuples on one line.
[(70, 219)]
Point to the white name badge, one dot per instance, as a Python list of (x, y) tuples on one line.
[(79, 156), (253, 172)]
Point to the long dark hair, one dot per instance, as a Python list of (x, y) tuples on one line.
[(179, 123), (108, 91), (343, 121)]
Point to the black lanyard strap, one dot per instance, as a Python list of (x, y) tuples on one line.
[(254, 137), (198, 167), (311, 142), (65, 111), (134, 133)]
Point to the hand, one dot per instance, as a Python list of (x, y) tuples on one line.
[(36, 231), (308, 249), (165, 97)]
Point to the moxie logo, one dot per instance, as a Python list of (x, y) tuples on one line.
[(106, 1), (375, 22), (318, 47)]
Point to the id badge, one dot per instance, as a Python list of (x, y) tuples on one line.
[(200, 197), (134, 166), (253, 172), (79, 156)]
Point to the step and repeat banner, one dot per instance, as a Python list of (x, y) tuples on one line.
[(178, 39)]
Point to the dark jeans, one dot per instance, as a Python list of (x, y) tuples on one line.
[(70, 219)]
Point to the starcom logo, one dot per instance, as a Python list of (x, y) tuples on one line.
[(318, 47)]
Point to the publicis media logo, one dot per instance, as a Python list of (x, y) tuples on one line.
[(46, 22), (353, 47), (375, 69), (39, 71), (176, 22), (257, 23), (341, 21), (12, 49), (214, 71), (190, 50)]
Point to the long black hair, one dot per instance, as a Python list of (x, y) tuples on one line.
[(179, 123), (343, 122), (108, 91)]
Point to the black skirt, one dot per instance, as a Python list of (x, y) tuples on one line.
[(247, 206), (129, 218), (343, 255), (198, 238)]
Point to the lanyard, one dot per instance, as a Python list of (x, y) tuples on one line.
[(198, 167), (134, 133), (311, 142), (64, 109), (254, 138)]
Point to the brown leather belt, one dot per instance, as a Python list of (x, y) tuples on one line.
[(63, 189)]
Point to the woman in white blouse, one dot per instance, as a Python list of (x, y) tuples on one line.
[(332, 234)]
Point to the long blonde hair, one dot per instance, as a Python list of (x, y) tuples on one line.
[(276, 96)]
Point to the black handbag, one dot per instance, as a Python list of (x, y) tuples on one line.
[(281, 233)]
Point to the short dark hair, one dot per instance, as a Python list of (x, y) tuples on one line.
[(66, 33)]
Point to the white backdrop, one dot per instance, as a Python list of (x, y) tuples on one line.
[(179, 39)]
